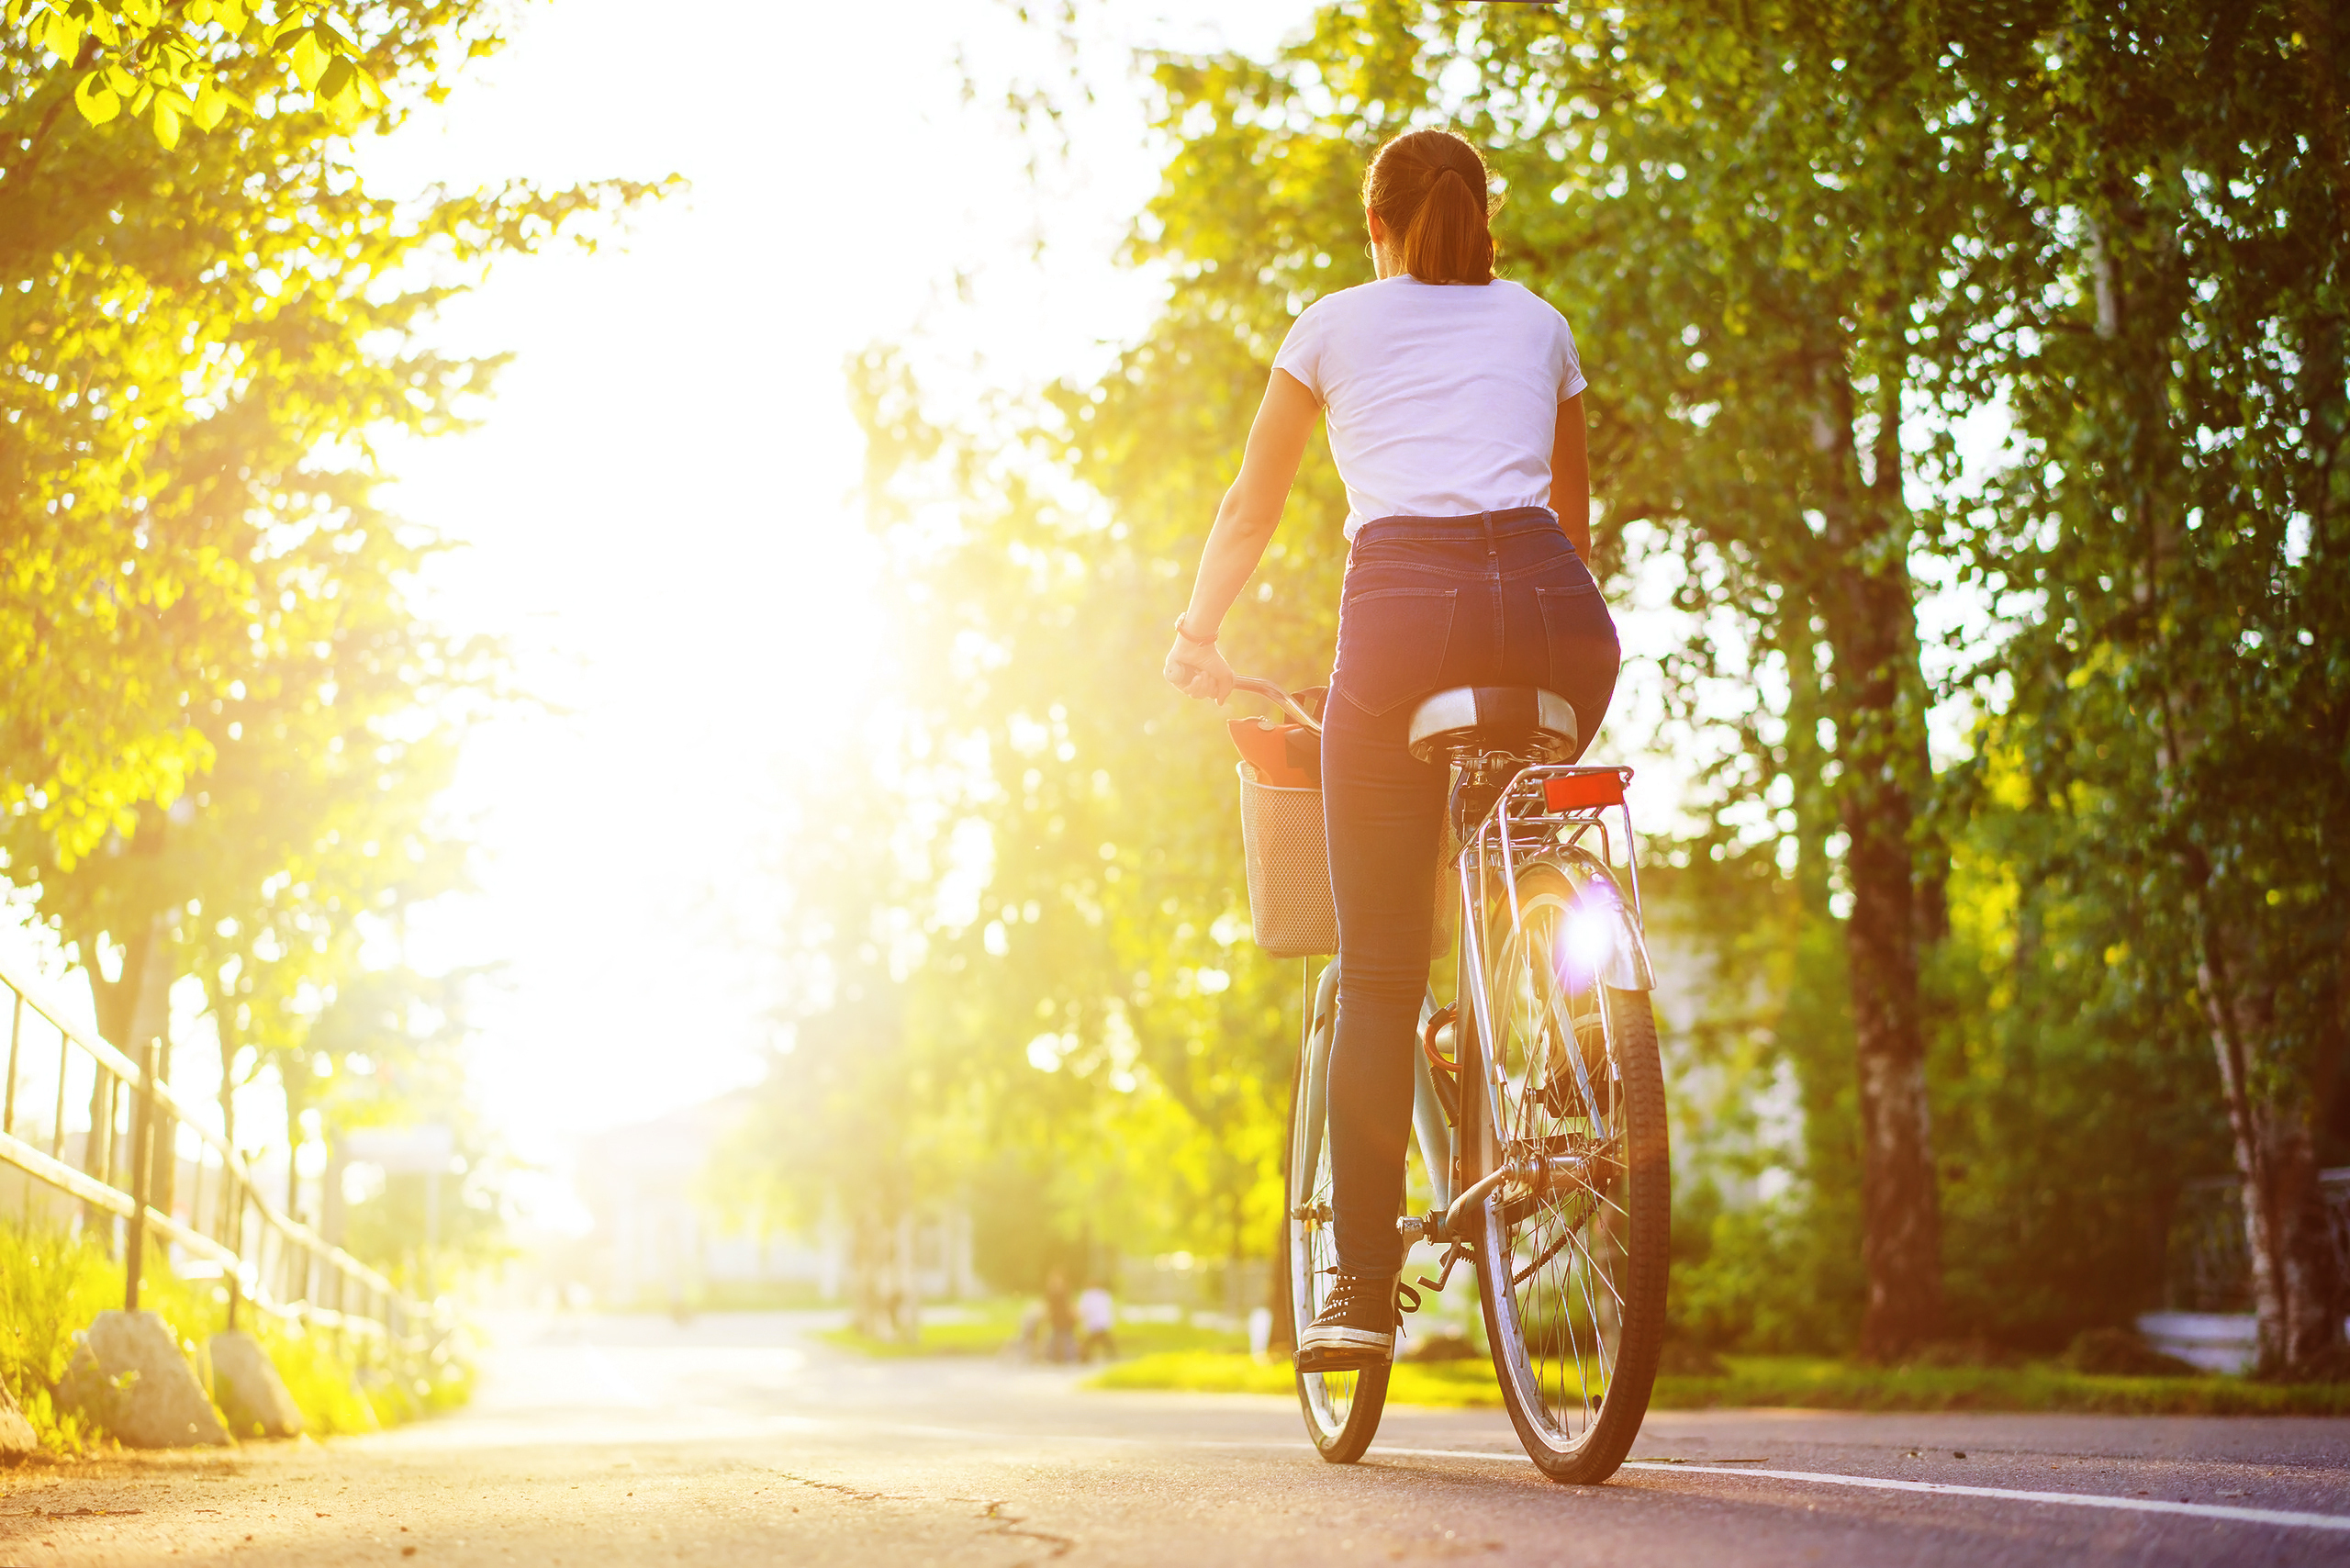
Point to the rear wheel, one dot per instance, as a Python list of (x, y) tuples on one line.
[(1571, 1248), (1342, 1408)]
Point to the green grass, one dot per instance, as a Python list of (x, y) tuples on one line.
[(992, 1327), (1797, 1382), (53, 1284)]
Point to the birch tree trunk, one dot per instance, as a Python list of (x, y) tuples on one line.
[(2297, 1285), (1871, 619)]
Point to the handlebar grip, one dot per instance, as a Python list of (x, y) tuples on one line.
[(1274, 693)]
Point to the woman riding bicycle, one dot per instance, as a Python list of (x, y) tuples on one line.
[(1455, 402)]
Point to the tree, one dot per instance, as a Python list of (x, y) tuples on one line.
[(2173, 527), (202, 343), (224, 720), (854, 1121), (185, 63)]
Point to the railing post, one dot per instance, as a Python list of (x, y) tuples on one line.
[(142, 1123), (16, 1034), (235, 1198), (97, 1151)]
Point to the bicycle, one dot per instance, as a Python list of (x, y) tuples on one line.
[(1542, 1130)]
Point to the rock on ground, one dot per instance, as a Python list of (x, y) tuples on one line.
[(17, 1437), (130, 1378), (252, 1396)]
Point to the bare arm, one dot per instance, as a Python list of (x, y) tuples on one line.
[(1244, 526), (1571, 477)]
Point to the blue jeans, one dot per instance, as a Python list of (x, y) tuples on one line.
[(1500, 599)]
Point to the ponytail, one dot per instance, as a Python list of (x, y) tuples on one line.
[(1428, 189)]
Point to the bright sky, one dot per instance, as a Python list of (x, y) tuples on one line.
[(658, 501)]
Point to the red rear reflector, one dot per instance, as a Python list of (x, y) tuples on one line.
[(1581, 791)]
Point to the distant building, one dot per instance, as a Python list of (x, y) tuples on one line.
[(656, 1247)]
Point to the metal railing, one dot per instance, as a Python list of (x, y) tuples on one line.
[(2210, 1262), (268, 1258)]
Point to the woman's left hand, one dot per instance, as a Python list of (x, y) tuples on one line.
[(1197, 669)]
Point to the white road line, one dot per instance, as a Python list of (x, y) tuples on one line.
[(1882, 1483)]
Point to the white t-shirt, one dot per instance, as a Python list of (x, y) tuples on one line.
[(1443, 398)]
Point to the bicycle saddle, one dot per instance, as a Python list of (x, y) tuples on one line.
[(1525, 721)]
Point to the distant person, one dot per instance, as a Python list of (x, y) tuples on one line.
[(1455, 407), (1061, 1316), (1030, 1347), (1097, 1314)]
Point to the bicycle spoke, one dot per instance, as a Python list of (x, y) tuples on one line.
[(1579, 1181), (1593, 1265), (1548, 1253)]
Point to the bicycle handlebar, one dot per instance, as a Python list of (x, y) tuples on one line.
[(1274, 693)]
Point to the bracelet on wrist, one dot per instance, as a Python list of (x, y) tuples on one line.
[(1188, 635)]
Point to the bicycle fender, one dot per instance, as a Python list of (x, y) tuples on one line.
[(1626, 967)]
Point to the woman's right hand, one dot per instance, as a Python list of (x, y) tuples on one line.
[(1198, 670)]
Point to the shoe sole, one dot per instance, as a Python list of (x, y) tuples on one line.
[(1344, 1349), (1340, 1361)]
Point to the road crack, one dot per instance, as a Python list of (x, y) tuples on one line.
[(856, 1494), (1009, 1525)]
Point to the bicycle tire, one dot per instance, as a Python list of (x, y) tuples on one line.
[(1616, 1174), (1341, 1409)]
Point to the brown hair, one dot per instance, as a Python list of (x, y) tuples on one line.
[(1430, 191)]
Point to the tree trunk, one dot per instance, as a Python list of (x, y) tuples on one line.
[(224, 1022), (2297, 1285), (1900, 1218), (1879, 717)]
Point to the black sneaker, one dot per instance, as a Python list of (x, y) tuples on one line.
[(1356, 1326)]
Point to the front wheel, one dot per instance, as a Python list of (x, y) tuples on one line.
[(1573, 1247), (1342, 1408)]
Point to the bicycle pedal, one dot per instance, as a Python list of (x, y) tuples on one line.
[(1453, 1256)]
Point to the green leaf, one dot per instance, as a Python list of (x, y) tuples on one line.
[(211, 103), (309, 58), (167, 120), (60, 34), (145, 12), (335, 81), (98, 102)]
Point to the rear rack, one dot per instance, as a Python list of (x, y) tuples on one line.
[(1562, 804)]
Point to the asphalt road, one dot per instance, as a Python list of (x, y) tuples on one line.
[(736, 1442)]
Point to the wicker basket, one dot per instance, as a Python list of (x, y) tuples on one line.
[(1288, 869)]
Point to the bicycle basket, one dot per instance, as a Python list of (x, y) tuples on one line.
[(1288, 855), (1290, 908), (1287, 848)]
